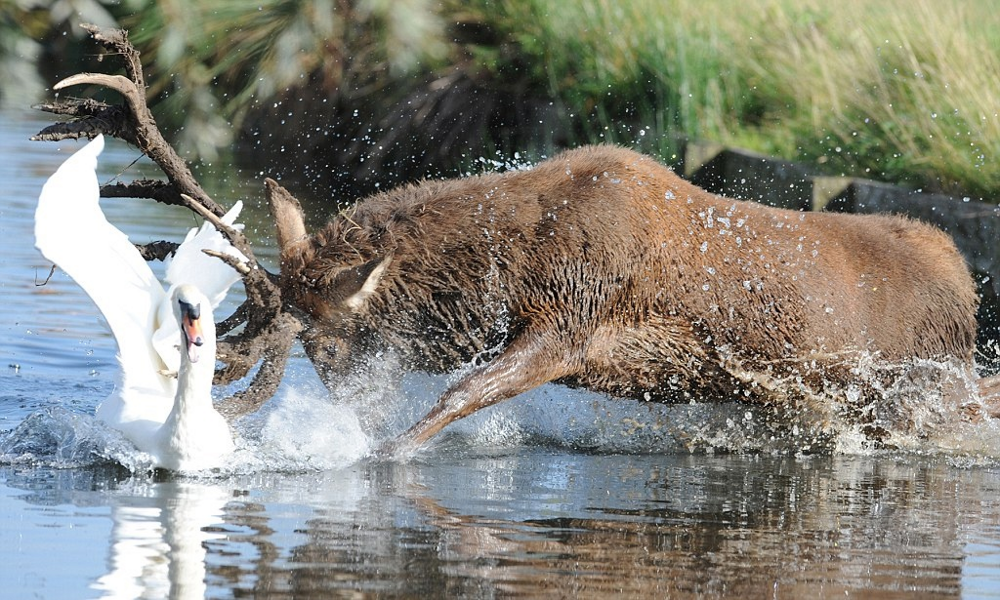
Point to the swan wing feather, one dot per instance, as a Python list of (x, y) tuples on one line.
[(190, 265), (72, 232)]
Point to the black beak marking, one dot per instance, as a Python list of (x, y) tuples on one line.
[(191, 313)]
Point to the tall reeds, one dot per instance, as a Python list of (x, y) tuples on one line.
[(905, 90)]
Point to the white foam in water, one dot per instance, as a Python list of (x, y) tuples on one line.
[(922, 410), (303, 430)]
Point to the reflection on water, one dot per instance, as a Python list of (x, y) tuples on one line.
[(559, 493), (158, 540), (545, 523)]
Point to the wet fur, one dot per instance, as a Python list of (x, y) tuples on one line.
[(603, 269)]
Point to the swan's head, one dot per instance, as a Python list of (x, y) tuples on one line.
[(194, 317)]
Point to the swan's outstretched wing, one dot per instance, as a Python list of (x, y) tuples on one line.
[(209, 274), (72, 232)]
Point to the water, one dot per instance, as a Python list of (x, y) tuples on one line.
[(557, 494)]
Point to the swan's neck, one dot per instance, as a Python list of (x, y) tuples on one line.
[(194, 383), (195, 436)]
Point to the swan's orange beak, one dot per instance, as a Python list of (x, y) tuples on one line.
[(191, 329)]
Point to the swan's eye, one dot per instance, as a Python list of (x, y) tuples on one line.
[(191, 311)]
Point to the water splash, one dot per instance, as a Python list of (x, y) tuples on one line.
[(918, 406), (915, 405), (299, 431), (57, 437)]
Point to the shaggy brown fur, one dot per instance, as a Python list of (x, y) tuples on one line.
[(603, 269)]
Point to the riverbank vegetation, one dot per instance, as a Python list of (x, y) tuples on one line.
[(902, 90)]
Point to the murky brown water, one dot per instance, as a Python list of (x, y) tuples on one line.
[(509, 504)]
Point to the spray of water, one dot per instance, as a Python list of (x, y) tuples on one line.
[(918, 406)]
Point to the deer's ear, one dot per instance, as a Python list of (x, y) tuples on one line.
[(355, 285), (288, 218)]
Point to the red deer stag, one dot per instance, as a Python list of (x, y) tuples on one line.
[(601, 268)]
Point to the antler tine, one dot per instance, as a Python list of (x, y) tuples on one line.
[(241, 267), (123, 85), (145, 134)]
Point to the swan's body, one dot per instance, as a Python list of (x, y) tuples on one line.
[(72, 232)]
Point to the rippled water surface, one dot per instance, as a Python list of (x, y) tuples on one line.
[(557, 494)]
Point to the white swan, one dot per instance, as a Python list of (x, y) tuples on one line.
[(194, 435), (72, 232)]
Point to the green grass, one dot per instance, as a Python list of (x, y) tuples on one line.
[(904, 90), (899, 90)]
